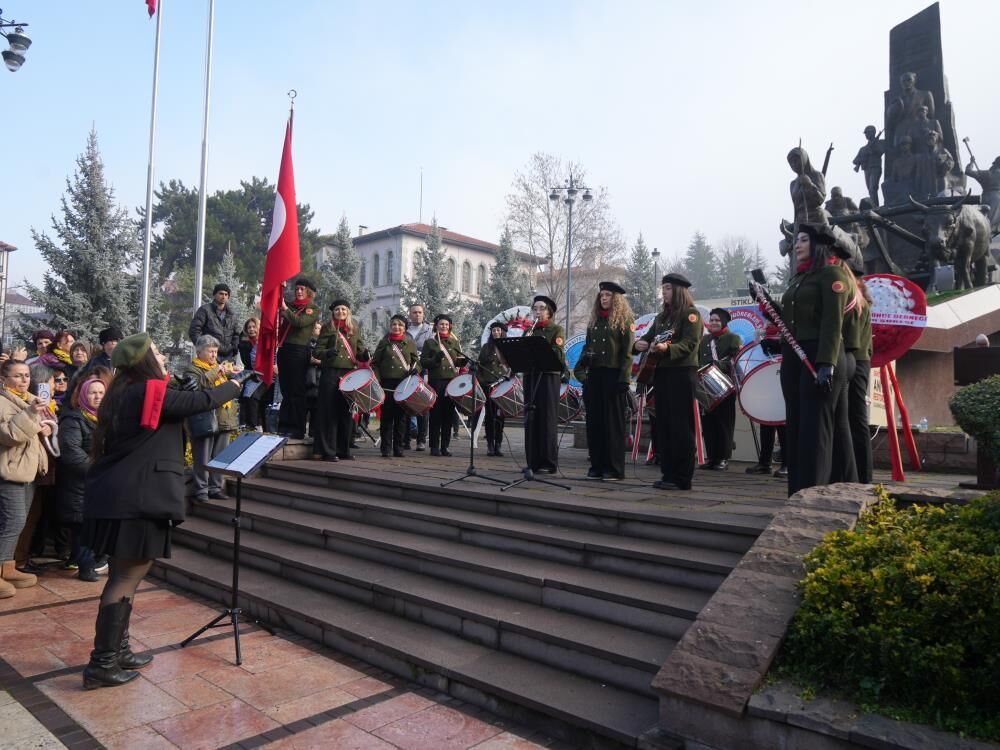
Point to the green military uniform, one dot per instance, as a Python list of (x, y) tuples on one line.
[(393, 361), (727, 345), (606, 374), (491, 366), (331, 352), (719, 424), (813, 309), (858, 341), (294, 352), (492, 369), (432, 357), (335, 421), (299, 322), (440, 371)]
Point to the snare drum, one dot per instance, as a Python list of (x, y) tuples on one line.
[(508, 395), (570, 403), (759, 378), (465, 391), (414, 396), (362, 389), (713, 387)]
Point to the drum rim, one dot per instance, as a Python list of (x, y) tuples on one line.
[(346, 375), (739, 400)]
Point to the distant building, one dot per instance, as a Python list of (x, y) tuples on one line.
[(16, 308), (387, 256)]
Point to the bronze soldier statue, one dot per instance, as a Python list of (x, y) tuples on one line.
[(869, 159)]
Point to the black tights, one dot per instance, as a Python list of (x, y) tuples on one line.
[(124, 577)]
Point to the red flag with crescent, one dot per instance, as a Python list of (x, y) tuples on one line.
[(282, 262)]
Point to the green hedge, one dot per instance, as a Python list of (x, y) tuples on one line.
[(976, 409), (902, 615)]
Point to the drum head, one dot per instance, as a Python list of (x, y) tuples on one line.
[(459, 386), (406, 387), (760, 395), (356, 379), (502, 388)]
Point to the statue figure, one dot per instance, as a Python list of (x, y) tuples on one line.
[(839, 204), (869, 159), (989, 180), (921, 124), (932, 167), (902, 111), (808, 189), (905, 164)]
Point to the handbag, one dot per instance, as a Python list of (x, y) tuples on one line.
[(204, 424)]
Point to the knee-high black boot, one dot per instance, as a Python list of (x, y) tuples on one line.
[(104, 669), (126, 658)]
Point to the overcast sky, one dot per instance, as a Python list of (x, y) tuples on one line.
[(684, 111)]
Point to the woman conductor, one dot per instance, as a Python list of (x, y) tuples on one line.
[(605, 369)]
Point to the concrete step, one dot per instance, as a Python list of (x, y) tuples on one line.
[(668, 562), (700, 528), (621, 656), (583, 712), (651, 606)]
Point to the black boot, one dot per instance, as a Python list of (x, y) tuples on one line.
[(103, 669), (127, 659)]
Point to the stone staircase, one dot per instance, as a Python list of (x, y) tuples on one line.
[(546, 607)]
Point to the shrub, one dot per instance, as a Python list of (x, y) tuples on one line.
[(976, 409), (903, 615)]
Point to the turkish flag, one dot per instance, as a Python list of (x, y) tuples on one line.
[(151, 7), (282, 262)]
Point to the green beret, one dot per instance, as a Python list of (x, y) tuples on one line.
[(131, 350)]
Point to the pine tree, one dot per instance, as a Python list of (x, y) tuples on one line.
[(701, 267), (640, 282), (507, 286), (431, 283), (91, 282), (340, 274), (157, 307), (225, 273)]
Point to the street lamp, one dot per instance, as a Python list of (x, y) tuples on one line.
[(570, 190), (656, 265), (18, 42)]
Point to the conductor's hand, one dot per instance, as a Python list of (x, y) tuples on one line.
[(244, 375), (824, 380), (661, 347), (641, 346), (189, 383)]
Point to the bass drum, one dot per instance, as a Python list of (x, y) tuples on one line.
[(758, 377)]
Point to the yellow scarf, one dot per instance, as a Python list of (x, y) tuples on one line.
[(88, 415), (53, 406), (23, 396), (220, 377), (62, 356)]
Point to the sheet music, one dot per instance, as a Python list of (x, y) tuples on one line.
[(255, 454)]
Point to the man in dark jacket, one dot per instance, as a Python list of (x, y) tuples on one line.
[(217, 319)]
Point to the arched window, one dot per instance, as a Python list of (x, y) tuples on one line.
[(388, 268), (452, 274), (466, 277), (363, 274), (376, 271), (481, 280)]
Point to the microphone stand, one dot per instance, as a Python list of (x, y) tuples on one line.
[(471, 471), (528, 474)]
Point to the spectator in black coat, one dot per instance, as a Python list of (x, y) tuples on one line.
[(217, 319)]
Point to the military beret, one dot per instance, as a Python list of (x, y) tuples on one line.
[(442, 316), (401, 318), (306, 282), (131, 350), (610, 286), (339, 302), (676, 279), (722, 313), (498, 324), (547, 300)]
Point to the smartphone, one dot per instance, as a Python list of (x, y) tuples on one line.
[(44, 393)]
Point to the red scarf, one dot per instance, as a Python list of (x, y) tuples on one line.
[(604, 314), (542, 323), (394, 337), (724, 329), (252, 340), (301, 303), (803, 266), (340, 325)]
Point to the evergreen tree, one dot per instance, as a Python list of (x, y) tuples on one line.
[(640, 282), (91, 282), (340, 274), (701, 267), (157, 307), (225, 273), (507, 286), (432, 284)]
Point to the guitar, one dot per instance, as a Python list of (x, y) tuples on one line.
[(649, 358)]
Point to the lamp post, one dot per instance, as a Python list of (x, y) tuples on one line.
[(568, 193), (17, 40), (5, 251), (656, 265)]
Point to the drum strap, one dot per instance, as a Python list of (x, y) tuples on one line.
[(715, 352), (447, 355), (347, 345), (400, 357)]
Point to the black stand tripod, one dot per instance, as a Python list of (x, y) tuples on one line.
[(532, 356), (471, 471), (241, 458)]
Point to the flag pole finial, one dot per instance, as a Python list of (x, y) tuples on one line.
[(292, 93)]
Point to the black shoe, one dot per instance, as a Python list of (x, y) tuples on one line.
[(348, 457), (490, 452), (420, 446), (89, 575), (385, 454), (663, 484), (610, 476), (550, 470), (721, 465), (331, 459), (759, 469), (103, 670), (707, 466), (782, 472), (407, 447), (127, 659), (434, 451), (200, 498), (593, 474), (33, 568), (446, 452), (218, 495), (398, 453), (354, 444), (498, 453)]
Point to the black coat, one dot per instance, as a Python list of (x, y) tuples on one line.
[(76, 434), (141, 474), (206, 321)]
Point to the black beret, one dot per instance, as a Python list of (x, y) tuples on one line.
[(339, 302), (401, 318), (220, 287), (498, 324), (821, 234), (722, 313), (547, 300), (131, 350), (306, 282), (610, 286), (441, 317), (109, 334), (677, 279)]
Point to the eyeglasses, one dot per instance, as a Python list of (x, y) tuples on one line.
[(59, 380)]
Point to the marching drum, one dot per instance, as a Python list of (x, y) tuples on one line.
[(759, 379), (414, 396), (508, 395), (465, 391), (713, 386), (362, 389), (570, 403)]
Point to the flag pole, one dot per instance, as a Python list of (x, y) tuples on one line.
[(199, 253), (147, 238)]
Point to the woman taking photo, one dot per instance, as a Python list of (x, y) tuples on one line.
[(493, 369), (673, 338), (718, 347), (813, 309), (605, 369), (541, 423), (442, 357), (22, 458), (339, 350), (134, 491), (395, 358), (252, 403), (294, 331)]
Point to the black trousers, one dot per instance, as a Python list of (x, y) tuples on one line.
[(392, 427), (844, 468), (767, 435), (674, 393), (810, 418), (334, 422), (541, 423), (293, 361), (494, 425), (442, 416), (605, 421), (718, 427), (857, 416)]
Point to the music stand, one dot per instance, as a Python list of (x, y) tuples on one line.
[(531, 355), (471, 471), (240, 459)]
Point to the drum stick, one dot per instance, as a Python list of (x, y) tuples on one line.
[(764, 302)]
